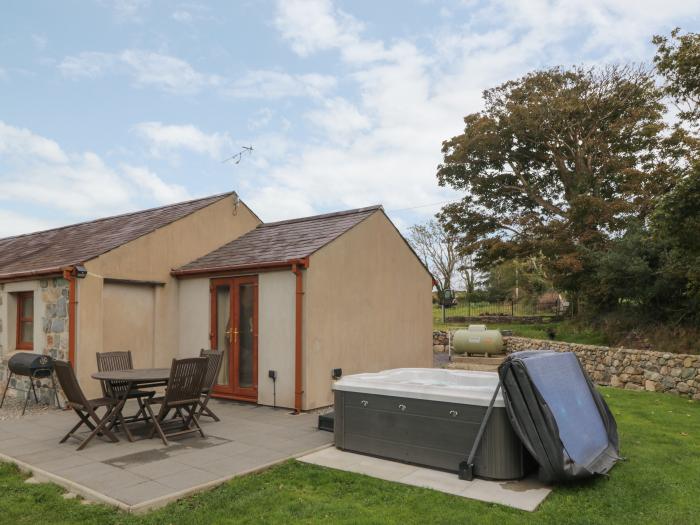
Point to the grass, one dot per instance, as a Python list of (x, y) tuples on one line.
[(659, 483), (565, 331)]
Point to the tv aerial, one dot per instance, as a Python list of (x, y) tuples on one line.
[(237, 157)]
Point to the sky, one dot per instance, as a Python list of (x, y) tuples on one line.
[(112, 106)]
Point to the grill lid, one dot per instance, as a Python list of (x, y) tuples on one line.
[(29, 363)]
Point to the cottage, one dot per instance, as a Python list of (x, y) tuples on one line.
[(290, 303)]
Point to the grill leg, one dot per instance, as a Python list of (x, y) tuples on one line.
[(31, 381), (26, 399), (55, 390), (5, 391)]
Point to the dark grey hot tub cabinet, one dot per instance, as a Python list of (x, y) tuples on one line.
[(436, 434)]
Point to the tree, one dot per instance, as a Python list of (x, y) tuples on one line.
[(678, 60), (675, 227), (468, 273), (438, 250), (556, 165)]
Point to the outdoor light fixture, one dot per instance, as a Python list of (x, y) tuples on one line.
[(81, 272), (336, 373)]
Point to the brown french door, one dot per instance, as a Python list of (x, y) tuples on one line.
[(234, 331)]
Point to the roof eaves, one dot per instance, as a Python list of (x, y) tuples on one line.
[(239, 267)]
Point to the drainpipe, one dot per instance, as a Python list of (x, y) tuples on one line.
[(297, 267), (69, 276)]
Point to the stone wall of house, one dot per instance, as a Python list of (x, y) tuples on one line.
[(627, 368), (54, 323)]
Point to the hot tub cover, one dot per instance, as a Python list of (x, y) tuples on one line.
[(560, 417)]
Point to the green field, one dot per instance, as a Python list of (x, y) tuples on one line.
[(659, 483)]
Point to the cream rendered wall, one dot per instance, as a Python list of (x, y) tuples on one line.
[(151, 258), (276, 318), (276, 308), (368, 307), (194, 322), (133, 307)]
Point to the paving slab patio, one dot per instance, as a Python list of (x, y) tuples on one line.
[(146, 474), (525, 494)]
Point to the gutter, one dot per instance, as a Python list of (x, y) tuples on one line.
[(224, 269), (298, 340), (19, 276)]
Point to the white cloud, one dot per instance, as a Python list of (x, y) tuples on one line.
[(339, 119), (127, 10), (40, 41), (35, 170), (161, 191), (274, 85), (275, 203), (12, 223), (181, 15), (261, 118), (189, 12), (89, 64), (315, 25), (383, 145), (147, 68), (16, 142), (167, 138)]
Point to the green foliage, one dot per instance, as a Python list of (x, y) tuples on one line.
[(527, 275), (555, 165), (676, 229), (658, 483), (678, 60), (576, 168)]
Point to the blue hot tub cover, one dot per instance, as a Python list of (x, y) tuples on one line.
[(561, 418)]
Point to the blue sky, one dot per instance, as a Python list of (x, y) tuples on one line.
[(111, 106)]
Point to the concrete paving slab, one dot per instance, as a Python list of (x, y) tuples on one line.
[(187, 478), (147, 490), (524, 494), (146, 474)]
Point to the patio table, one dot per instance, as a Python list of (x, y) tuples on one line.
[(136, 378)]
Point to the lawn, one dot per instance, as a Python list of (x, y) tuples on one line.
[(659, 483), (564, 330)]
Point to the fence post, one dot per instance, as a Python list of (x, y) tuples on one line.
[(512, 308), (443, 313)]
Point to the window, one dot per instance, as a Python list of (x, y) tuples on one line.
[(25, 321)]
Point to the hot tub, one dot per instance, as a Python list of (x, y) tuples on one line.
[(428, 416)]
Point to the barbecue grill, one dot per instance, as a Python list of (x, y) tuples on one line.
[(34, 366)]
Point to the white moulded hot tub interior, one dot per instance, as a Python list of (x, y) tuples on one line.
[(464, 387)]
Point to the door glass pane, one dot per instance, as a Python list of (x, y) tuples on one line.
[(245, 329), (27, 333), (28, 306), (223, 331)]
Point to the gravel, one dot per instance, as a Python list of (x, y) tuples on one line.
[(12, 409)]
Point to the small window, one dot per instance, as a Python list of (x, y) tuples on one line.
[(25, 321)]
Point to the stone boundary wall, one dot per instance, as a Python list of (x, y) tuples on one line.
[(626, 368)]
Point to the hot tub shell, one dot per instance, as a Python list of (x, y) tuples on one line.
[(428, 417)]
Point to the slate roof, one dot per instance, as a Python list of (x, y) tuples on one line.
[(49, 251), (279, 242)]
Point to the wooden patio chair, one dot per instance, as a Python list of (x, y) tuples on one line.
[(182, 394), (85, 408), (214, 360), (115, 361)]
